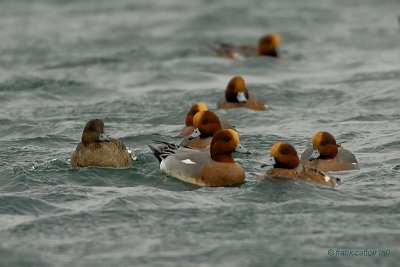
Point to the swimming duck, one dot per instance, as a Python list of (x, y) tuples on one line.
[(206, 124), (286, 165), (204, 167), (237, 96), (326, 155), (267, 46), (97, 149), (188, 129)]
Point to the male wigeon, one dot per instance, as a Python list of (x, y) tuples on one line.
[(286, 165), (204, 167), (267, 46), (97, 149), (188, 128), (237, 96), (206, 124), (326, 155)]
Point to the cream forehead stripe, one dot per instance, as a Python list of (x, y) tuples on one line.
[(235, 136), (276, 38), (239, 83), (197, 118), (202, 106), (275, 148)]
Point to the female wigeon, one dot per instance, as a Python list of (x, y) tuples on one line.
[(204, 167), (237, 96), (206, 124), (286, 165), (97, 149), (267, 46), (326, 155), (188, 129)]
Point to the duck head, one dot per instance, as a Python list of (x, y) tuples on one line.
[(324, 146), (206, 124), (200, 106), (236, 90), (283, 155), (268, 44), (223, 144), (94, 132)]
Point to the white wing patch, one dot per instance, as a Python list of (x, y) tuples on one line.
[(327, 178), (188, 161)]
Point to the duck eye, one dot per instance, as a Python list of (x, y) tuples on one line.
[(324, 142), (205, 121), (227, 138), (284, 151)]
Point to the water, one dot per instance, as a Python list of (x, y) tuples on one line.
[(139, 66)]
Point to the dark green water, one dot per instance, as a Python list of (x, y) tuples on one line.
[(139, 66)]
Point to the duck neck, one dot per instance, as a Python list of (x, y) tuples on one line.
[(271, 53), (223, 158), (325, 157), (329, 153)]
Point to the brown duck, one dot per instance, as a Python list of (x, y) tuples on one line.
[(98, 150)]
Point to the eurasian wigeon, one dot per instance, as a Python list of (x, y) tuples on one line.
[(99, 150), (326, 155), (200, 106), (267, 46), (286, 165), (204, 167), (237, 96), (188, 128), (206, 124)]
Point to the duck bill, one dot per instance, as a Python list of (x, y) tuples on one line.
[(104, 138), (196, 133), (315, 154), (241, 149), (241, 97), (269, 162)]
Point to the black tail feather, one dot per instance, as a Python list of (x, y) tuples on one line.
[(155, 152), (164, 150)]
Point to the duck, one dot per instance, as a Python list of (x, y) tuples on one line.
[(188, 128), (327, 155), (206, 124), (267, 46), (237, 96), (286, 165), (212, 167), (97, 149)]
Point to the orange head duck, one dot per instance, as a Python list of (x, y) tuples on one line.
[(267, 46), (327, 155), (206, 125), (286, 165), (204, 167), (188, 129), (97, 149), (237, 96)]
